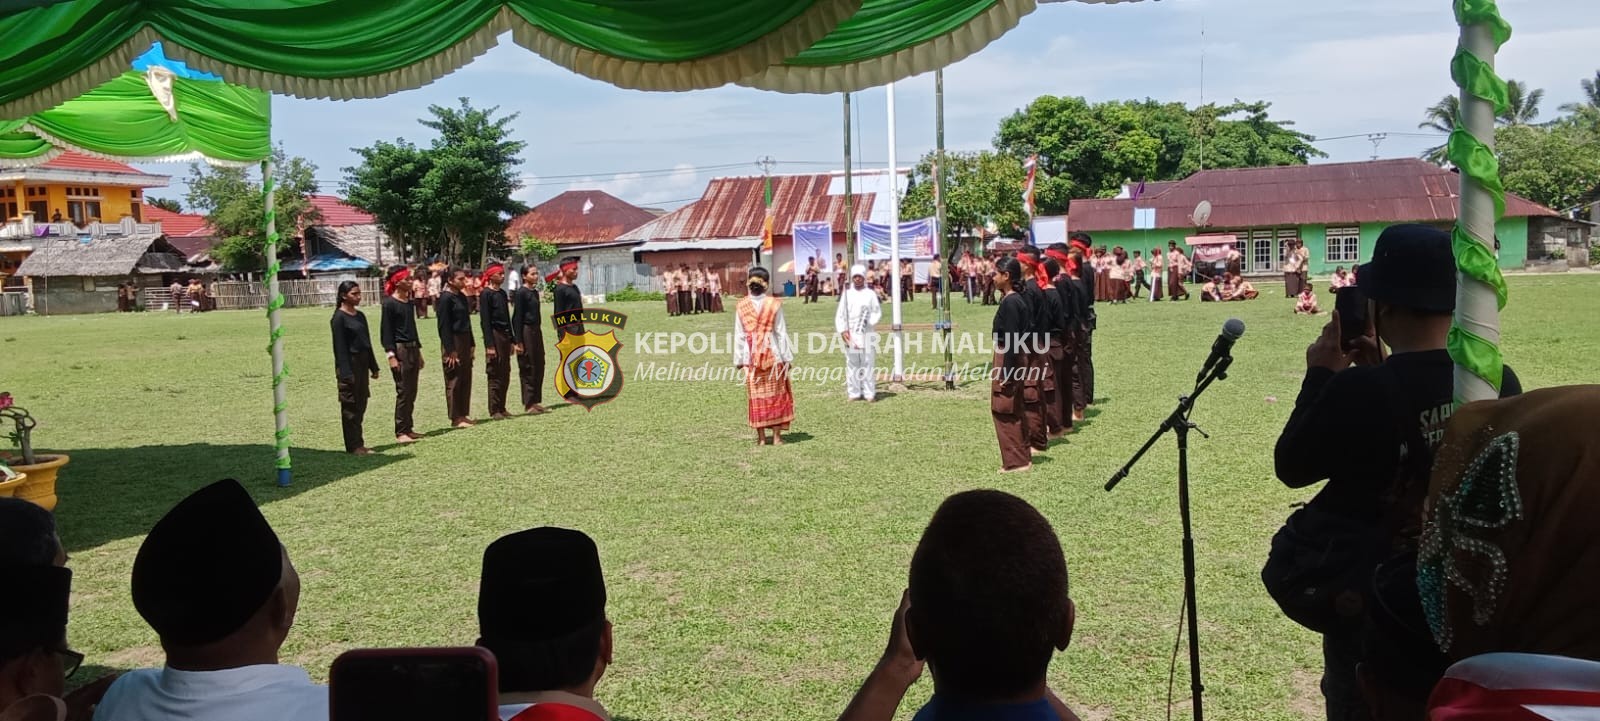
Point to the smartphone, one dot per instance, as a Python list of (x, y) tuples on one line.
[(1351, 304), (414, 684)]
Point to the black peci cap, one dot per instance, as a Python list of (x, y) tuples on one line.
[(540, 584)]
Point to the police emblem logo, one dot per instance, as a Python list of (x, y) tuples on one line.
[(590, 372)]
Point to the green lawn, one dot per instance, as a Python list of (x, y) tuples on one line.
[(744, 582)]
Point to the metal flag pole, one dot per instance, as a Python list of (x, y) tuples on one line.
[(849, 200), (280, 372), (898, 375), (944, 238)]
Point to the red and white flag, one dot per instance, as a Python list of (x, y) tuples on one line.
[(1032, 166)]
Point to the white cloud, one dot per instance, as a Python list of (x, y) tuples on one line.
[(684, 181)]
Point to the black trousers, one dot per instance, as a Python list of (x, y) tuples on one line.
[(1086, 366), (353, 393), (498, 369), (458, 380), (907, 290), (685, 301), (530, 366), (405, 386)]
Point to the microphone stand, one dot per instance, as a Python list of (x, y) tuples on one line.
[(1180, 425)]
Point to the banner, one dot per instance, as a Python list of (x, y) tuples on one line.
[(916, 240), (1049, 229), (813, 240)]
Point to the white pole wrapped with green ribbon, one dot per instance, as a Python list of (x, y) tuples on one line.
[(280, 372), (1480, 288)]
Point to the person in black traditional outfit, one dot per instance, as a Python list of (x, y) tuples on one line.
[(397, 329), (354, 363), (494, 317), (1039, 383), (528, 328), (457, 346), (569, 298), (1013, 324), (1081, 242)]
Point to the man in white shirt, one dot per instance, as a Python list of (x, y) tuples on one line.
[(542, 612), (858, 312), (217, 587)]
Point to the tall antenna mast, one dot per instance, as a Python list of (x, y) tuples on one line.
[(1202, 133)]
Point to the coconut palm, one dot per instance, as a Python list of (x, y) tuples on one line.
[(1440, 118), (1524, 104), (1591, 96)]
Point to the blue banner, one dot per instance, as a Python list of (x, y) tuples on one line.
[(813, 240), (916, 240)]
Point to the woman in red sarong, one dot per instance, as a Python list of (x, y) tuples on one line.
[(761, 347)]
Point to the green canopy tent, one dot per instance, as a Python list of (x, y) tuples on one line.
[(56, 51)]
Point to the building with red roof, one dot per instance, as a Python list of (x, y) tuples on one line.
[(1336, 209)]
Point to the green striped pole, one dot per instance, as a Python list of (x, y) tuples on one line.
[(1480, 288), (280, 372)]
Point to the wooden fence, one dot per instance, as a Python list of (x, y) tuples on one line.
[(13, 303), (251, 295)]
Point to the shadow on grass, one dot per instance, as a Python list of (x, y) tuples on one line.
[(113, 493), (789, 438)]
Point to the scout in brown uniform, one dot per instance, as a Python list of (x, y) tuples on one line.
[(714, 289), (813, 281), (935, 279), (1291, 270), (840, 283), (669, 287), (685, 295), (457, 346), (702, 282), (908, 273), (494, 316), (1177, 268), (1157, 263), (398, 329), (1012, 325)]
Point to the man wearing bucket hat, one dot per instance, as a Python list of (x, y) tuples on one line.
[(858, 312), (1370, 431)]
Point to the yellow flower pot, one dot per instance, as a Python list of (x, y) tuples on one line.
[(40, 487), (9, 488)]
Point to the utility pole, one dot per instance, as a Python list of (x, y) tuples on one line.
[(897, 376), (944, 237), (849, 200)]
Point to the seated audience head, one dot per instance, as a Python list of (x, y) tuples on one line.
[(1510, 555), (542, 611), (215, 583), (1411, 282), (989, 602), (33, 630)]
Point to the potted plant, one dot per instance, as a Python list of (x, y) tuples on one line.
[(39, 484)]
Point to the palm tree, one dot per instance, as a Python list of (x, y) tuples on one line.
[(1524, 106), (1441, 118), (1591, 95)]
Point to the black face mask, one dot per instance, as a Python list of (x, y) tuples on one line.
[(757, 289)]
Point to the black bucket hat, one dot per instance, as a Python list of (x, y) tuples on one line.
[(1412, 267)]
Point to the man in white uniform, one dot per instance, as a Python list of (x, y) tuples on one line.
[(217, 587), (858, 312)]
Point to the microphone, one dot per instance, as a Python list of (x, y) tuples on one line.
[(1231, 331)]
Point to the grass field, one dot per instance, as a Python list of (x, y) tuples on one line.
[(744, 582)]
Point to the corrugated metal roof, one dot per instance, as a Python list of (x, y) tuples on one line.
[(736, 208), (1383, 191), (176, 225), (563, 219), (872, 183), (656, 246), (335, 212)]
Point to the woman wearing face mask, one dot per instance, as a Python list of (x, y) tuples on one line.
[(761, 347)]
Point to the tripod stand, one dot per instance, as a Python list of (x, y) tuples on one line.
[(1180, 425)]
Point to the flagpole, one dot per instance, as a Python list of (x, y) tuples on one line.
[(947, 251), (849, 200), (898, 374)]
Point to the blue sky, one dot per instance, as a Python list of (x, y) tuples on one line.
[(1334, 67)]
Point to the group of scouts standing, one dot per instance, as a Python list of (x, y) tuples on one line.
[(512, 330), (692, 291), (1118, 277), (1043, 377)]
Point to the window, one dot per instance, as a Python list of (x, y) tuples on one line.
[(82, 212), (8, 204), (1263, 257), (1344, 245)]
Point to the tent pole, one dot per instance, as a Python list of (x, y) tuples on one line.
[(898, 375), (1475, 334), (849, 201), (280, 392), (944, 238)]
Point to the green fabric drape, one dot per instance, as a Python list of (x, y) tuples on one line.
[(223, 123), (361, 48)]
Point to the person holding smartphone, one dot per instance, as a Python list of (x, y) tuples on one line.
[(542, 613), (1367, 422)]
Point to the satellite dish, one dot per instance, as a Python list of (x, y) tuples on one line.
[(1202, 214)]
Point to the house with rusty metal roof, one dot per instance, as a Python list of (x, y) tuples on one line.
[(586, 224), (723, 229), (1336, 209), (343, 240)]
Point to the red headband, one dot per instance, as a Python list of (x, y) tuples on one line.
[(1080, 245), (395, 279), (562, 269), (1040, 273), (492, 269)]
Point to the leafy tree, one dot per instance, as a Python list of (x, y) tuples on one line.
[(1090, 150), (233, 204), (1558, 166), (979, 188), (536, 248), (385, 185), (1591, 95), (168, 204)]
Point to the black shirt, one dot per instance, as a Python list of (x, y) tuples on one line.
[(1355, 427), (397, 324), (1071, 305), (352, 344), (525, 308), (1040, 313), (454, 319), (569, 299), (494, 314), (1013, 324)]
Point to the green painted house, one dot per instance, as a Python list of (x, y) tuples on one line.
[(1336, 209)]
